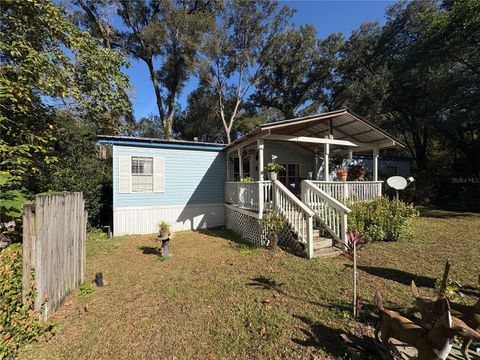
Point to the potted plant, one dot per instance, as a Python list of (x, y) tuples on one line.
[(342, 174), (164, 229), (356, 172), (273, 168)]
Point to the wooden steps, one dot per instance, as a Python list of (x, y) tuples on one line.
[(323, 247)]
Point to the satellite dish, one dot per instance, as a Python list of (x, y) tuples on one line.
[(397, 182)]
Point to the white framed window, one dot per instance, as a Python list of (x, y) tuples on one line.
[(142, 174)]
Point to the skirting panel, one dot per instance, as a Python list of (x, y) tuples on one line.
[(145, 220), (252, 231)]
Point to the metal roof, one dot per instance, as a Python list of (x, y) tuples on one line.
[(154, 142), (345, 126)]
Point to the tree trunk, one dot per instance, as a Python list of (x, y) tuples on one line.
[(156, 88), (168, 125)]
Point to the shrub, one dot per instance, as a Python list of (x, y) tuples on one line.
[(273, 223), (19, 324), (86, 289), (381, 219)]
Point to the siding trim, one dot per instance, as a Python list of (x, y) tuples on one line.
[(162, 145), (153, 207)]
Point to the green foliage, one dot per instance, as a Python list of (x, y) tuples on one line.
[(236, 52), (247, 179), (164, 225), (96, 235), (86, 289), (273, 222), (274, 167), (82, 166), (417, 76), (381, 219), (19, 324), (297, 71), (46, 63), (167, 36), (11, 205), (198, 120)]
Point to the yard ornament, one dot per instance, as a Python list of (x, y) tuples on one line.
[(432, 344), (429, 308)]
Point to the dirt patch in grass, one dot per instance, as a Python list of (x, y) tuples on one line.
[(219, 298)]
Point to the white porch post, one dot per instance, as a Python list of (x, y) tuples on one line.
[(375, 155), (240, 162), (261, 171), (326, 153), (228, 167), (261, 200), (350, 154), (317, 166)]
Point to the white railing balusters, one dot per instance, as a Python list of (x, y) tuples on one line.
[(331, 212), (254, 195), (348, 192)]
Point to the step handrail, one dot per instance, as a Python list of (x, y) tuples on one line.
[(298, 215), (331, 212), (292, 197)]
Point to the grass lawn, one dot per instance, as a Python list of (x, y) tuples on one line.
[(216, 298)]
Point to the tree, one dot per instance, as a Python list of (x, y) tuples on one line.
[(451, 45), (166, 36), (148, 127), (236, 53), (198, 120), (297, 72), (381, 76), (48, 63), (95, 18), (81, 167)]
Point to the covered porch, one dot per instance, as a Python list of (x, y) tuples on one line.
[(310, 149)]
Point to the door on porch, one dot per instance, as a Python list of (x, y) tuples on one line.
[(292, 177)]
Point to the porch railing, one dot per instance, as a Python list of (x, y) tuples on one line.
[(331, 212), (263, 195), (348, 192), (255, 196)]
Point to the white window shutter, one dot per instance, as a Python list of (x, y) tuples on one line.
[(158, 174), (124, 174)]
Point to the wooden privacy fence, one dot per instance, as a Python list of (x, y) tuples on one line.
[(54, 231)]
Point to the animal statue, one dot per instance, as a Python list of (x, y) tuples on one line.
[(431, 344), (430, 309)]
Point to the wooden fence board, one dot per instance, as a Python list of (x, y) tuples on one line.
[(54, 248)]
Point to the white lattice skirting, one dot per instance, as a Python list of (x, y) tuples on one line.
[(251, 229)]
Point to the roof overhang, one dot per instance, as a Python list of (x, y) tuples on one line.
[(158, 143), (339, 129)]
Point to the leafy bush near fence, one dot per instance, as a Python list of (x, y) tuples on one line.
[(381, 219), (19, 324)]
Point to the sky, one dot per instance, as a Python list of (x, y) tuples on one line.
[(328, 16)]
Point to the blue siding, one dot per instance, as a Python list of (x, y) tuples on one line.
[(191, 177)]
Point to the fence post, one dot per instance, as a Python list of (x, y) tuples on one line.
[(28, 247)]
